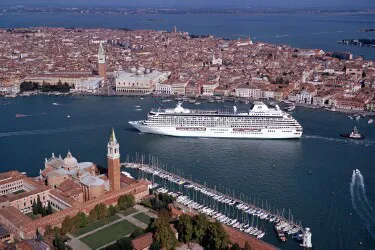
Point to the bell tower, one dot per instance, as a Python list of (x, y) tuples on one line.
[(102, 62), (113, 157)]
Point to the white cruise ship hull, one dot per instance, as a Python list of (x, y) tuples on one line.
[(218, 132)]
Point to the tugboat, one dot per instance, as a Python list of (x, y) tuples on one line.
[(353, 135)]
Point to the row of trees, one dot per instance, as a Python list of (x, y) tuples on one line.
[(211, 235), (38, 208), (45, 87)]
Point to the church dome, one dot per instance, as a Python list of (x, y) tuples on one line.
[(70, 161)]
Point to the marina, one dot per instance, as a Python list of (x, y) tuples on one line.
[(242, 213)]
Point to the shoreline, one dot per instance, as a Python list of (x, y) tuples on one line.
[(223, 99)]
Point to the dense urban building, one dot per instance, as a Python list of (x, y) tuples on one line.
[(175, 63)]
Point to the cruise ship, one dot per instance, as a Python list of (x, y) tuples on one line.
[(260, 121)]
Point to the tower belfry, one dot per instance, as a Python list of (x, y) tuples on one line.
[(102, 62), (113, 156)]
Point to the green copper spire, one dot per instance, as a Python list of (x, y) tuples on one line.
[(113, 136)]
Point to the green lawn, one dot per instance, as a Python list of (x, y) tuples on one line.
[(143, 217), (109, 234), (19, 191), (94, 225), (33, 216), (129, 211)]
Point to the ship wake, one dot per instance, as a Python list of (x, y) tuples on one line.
[(57, 130), (360, 202)]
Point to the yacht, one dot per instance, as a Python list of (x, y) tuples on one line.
[(259, 121)]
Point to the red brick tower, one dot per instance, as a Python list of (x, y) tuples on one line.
[(113, 156)]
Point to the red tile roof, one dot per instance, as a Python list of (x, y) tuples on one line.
[(240, 238), (142, 242)]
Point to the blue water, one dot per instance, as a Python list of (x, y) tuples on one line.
[(320, 200), (304, 31)]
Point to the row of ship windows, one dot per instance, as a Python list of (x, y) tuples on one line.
[(234, 123), (246, 132), (227, 123), (216, 118)]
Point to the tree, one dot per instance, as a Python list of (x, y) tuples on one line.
[(125, 201), (112, 210), (235, 247), (49, 209), (200, 226), (247, 246), (35, 209), (216, 237), (101, 211), (81, 219), (137, 232), (56, 230), (164, 234), (58, 242), (39, 205), (66, 225), (155, 246), (124, 244), (48, 231), (185, 228), (92, 216)]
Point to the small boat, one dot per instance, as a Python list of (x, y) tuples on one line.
[(353, 135), (20, 115), (127, 174), (166, 100), (350, 117), (370, 121), (138, 109), (55, 104), (197, 103), (290, 108), (358, 117), (137, 106), (68, 116)]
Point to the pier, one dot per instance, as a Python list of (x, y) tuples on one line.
[(217, 200)]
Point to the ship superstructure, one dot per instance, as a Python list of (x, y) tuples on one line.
[(258, 122)]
